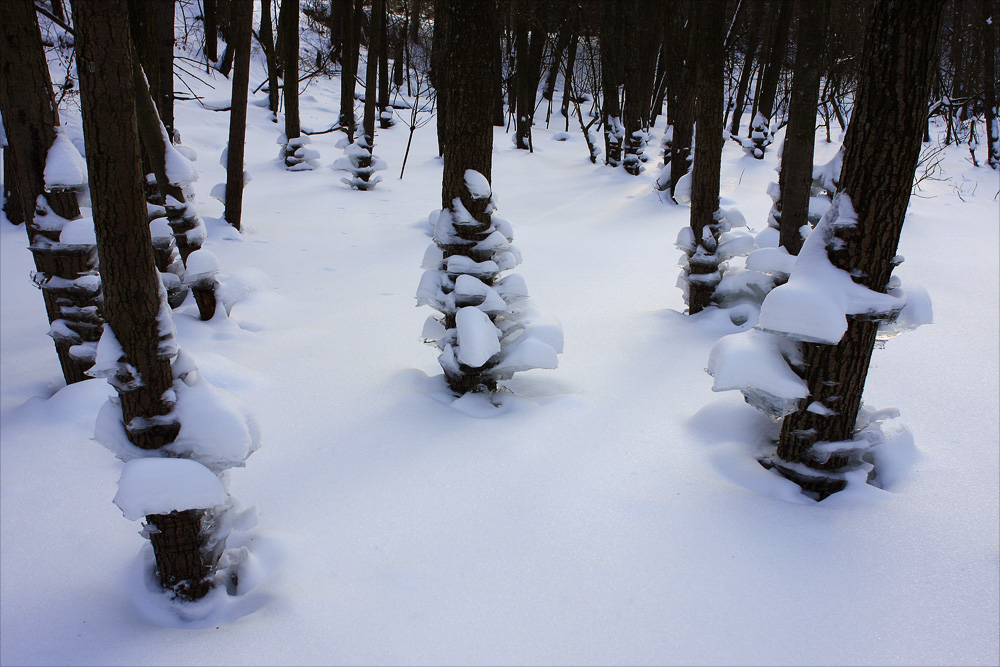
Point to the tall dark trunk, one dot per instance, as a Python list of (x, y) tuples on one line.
[(211, 30), (30, 121), (611, 46), (746, 72), (795, 180), (288, 23), (371, 75), (468, 141), (768, 87), (529, 65), (165, 63), (349, 70), (132, 302), (991, 46), (242, 25), (267, 43), (379, 25), (413, 22), (880, 155), (710, 23), (568, 88), (683, 97), (642, 31), (496, 46), (440, 69)]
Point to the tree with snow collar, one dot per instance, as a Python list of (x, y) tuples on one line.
[(487, 329), (822, 325)]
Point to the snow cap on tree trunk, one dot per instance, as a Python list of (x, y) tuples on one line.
[(160, 486), (65, 168)]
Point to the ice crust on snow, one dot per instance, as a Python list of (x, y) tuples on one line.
[(161, 485)]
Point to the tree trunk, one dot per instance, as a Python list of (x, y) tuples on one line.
[(800, 137), (683, 98), (242, 26), (267, 43), (710, 21), (211, 30), (611, 39), (635, 100), (991, 46), (348, 70), (379, 25), (371, 76), (165, 59), (746, 72), (413, 22), (27, 105), (440, 70), (469, 138), (288, 23), (529, 65), (132, 300), (761, 123), (880, 155), (568, 88)]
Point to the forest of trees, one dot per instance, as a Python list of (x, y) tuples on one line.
[(707, 71)]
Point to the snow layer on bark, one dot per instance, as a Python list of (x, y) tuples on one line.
[(477, 337), (78, 232), (752, 362), (180, 170), (160, 486), (65, 168), (815, 302)]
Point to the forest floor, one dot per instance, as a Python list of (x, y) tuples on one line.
[(611, 512)]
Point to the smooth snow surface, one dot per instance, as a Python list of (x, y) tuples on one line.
[(160, 486), (611, 511)]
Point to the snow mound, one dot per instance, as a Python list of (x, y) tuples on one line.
[(160, 486)]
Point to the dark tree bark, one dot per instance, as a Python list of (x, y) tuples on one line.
[(128, 272), (795, 180), (211, 30), (497, 48), (531, 23), (380, 26), (746, 72), (991, 46), (371, 75), (880, 154), (288, 23), (710, 21), (611, 46), (761, 123), (242, 26), (569, 89), (29, 111), (413, 22), (469, 140), (270, 53), (440, 70), (30, 120), (165, 58), (681, 91), (349, 70), (641, 24)]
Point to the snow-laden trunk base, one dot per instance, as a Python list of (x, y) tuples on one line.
[(184, 564)]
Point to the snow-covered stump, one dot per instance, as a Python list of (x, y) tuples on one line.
[(488, 329), (189, 230), (359, 161), (634, 153), (760, 136), (704, 259), (614, 136), (814, 337), (65, 253), (297, 155), (168, 260), (200, 278)]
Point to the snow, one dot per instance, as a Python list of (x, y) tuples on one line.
[(815, 302), (65, 168), (477, 337), (78, 232), (478, 186), (160, 486), (609, 512)]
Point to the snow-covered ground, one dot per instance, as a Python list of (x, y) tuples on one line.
[(613, 513)]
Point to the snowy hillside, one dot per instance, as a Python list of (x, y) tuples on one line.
[(612, 511)]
